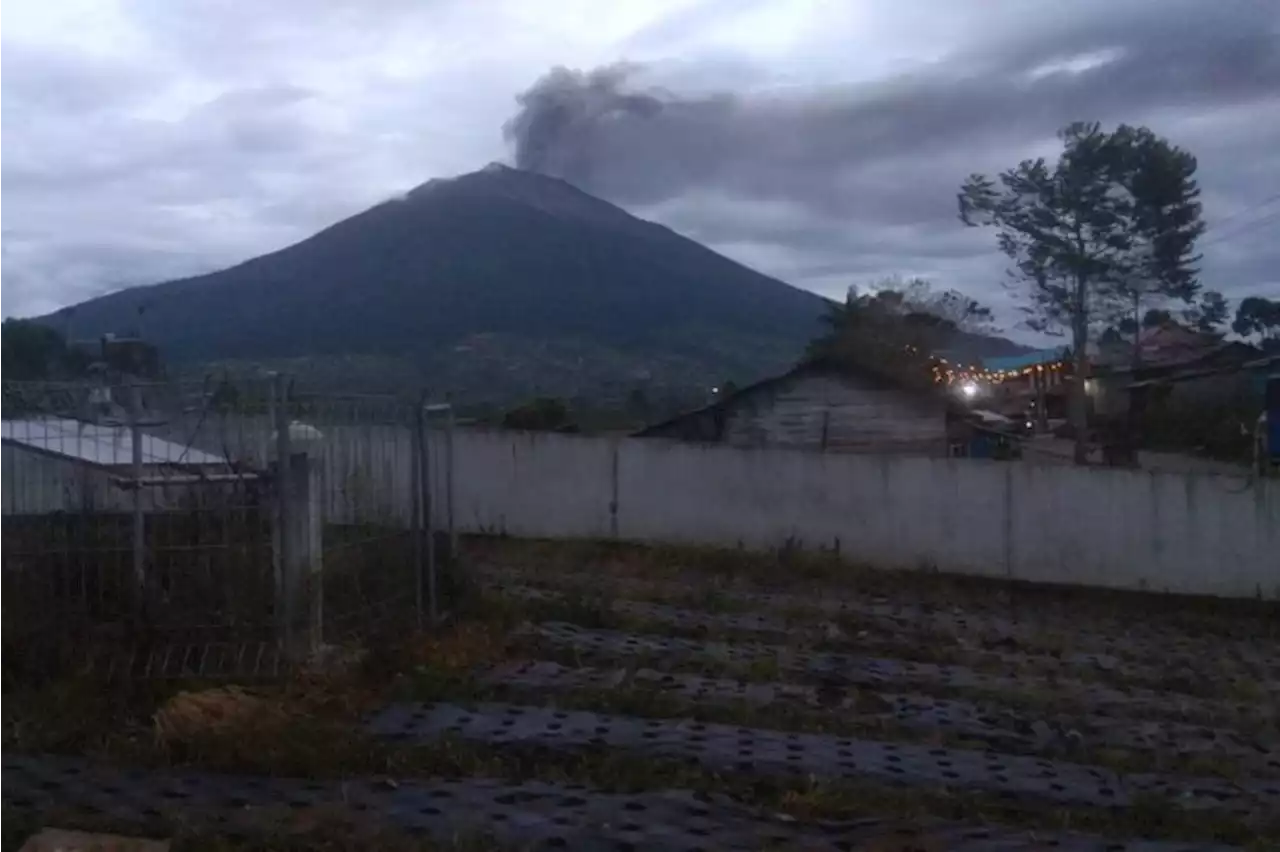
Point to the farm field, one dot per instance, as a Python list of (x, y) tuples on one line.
[(595, 697)]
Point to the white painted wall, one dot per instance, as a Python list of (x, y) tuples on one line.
[(1124, 529), (1190, 533)]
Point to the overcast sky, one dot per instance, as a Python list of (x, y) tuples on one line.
[(821, 141)]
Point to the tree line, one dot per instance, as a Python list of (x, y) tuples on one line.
[(30, 351), (1104, 238), (1102, 244)]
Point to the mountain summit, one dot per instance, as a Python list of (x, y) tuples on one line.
[(496, 277)]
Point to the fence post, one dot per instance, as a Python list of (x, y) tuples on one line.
[(139, 519), (286, 538), (314, 559), (613, 488), (415, 499), (453, 532), (277, 503), (429, 507), (301, 558)]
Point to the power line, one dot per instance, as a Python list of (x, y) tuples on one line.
[(1243, 229), (1251, 208)]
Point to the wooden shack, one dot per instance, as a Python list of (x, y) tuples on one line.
[(822, 407)]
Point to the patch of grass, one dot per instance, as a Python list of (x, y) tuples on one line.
[(1041, 697), (859, 715), (331, 829), (316, 748), (79, 713), (1046, 632), (825, 572), (309, 727)]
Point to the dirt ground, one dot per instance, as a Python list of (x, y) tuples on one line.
[(593, 696)]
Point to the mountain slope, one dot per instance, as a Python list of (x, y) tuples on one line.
[(499, 252), (500, 282)]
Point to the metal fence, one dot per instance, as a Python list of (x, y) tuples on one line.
[(214, 528), (376, 465)]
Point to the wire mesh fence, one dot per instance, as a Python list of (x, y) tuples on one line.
[(364, 456), (213, 527)]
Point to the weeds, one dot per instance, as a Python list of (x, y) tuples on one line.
[(310, 725), (331, 829), (795, 569)]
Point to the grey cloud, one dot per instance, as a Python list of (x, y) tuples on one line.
[(640, 145), (220, 38), (828, 254), (869, 164), (235, 131), (157, 199), (69, 83), (700, 16), (316, 109)]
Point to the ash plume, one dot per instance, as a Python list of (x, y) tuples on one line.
[(562, 115), (889, 149)]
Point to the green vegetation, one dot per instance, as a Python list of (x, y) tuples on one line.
[(36, 352), (1097, 235), (1258, 319)]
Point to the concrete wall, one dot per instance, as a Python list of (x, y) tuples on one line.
[(1123, 529), (1199, 534)]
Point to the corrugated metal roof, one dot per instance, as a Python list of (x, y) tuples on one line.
[(97, 444), (1030, 359)]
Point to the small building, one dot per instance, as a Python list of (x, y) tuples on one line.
[(822, 407), (1034, 385), (116, 356), (1208, 375), (55, 464)]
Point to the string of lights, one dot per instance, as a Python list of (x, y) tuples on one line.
[(945, 372)]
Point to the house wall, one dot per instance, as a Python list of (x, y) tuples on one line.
[(698, 426), (817, 411)]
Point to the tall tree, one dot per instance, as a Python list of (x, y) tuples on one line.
[(32, 351), (1156, 317), (1210, 314), (964, 312), (877, 332), (1164, 220), (1080, 231), (1258, 319), (917, 295)]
